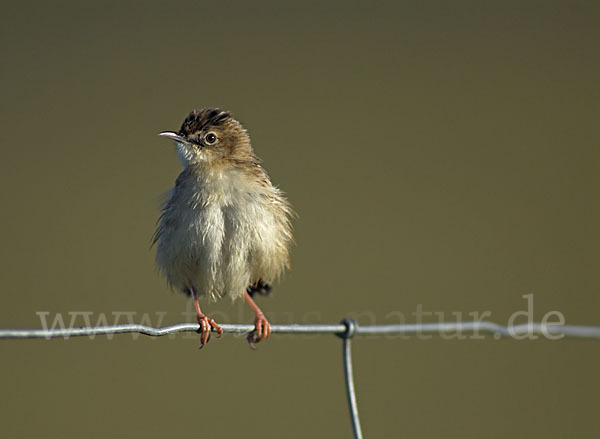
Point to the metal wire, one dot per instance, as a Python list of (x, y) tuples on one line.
[(165, 330), (424, 328), (350, 391), (347, 329), (350, 332)]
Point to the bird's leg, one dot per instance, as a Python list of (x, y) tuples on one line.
[(262, 327), (206, 323)]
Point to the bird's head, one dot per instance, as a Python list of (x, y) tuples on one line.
[(210, 137)]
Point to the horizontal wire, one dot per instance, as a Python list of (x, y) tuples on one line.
[(404, 329)]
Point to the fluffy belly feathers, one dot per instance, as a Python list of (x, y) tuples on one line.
[(220, 247)]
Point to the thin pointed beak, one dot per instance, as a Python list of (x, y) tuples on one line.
[(173, 136)]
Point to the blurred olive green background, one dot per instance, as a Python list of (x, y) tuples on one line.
[(437, 153)]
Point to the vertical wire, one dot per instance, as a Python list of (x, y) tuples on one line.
[(350, 388), (349, 376)]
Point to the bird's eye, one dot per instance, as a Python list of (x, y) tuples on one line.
[(210, 138)]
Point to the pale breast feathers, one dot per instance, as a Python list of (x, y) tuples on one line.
[(221, 232)]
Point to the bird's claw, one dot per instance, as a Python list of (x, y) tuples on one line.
[(262, 330), (205, 329)]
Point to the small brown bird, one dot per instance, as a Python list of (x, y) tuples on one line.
[(225, 229)]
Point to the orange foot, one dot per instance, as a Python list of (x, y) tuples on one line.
[(262, 329), (206, 325)]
